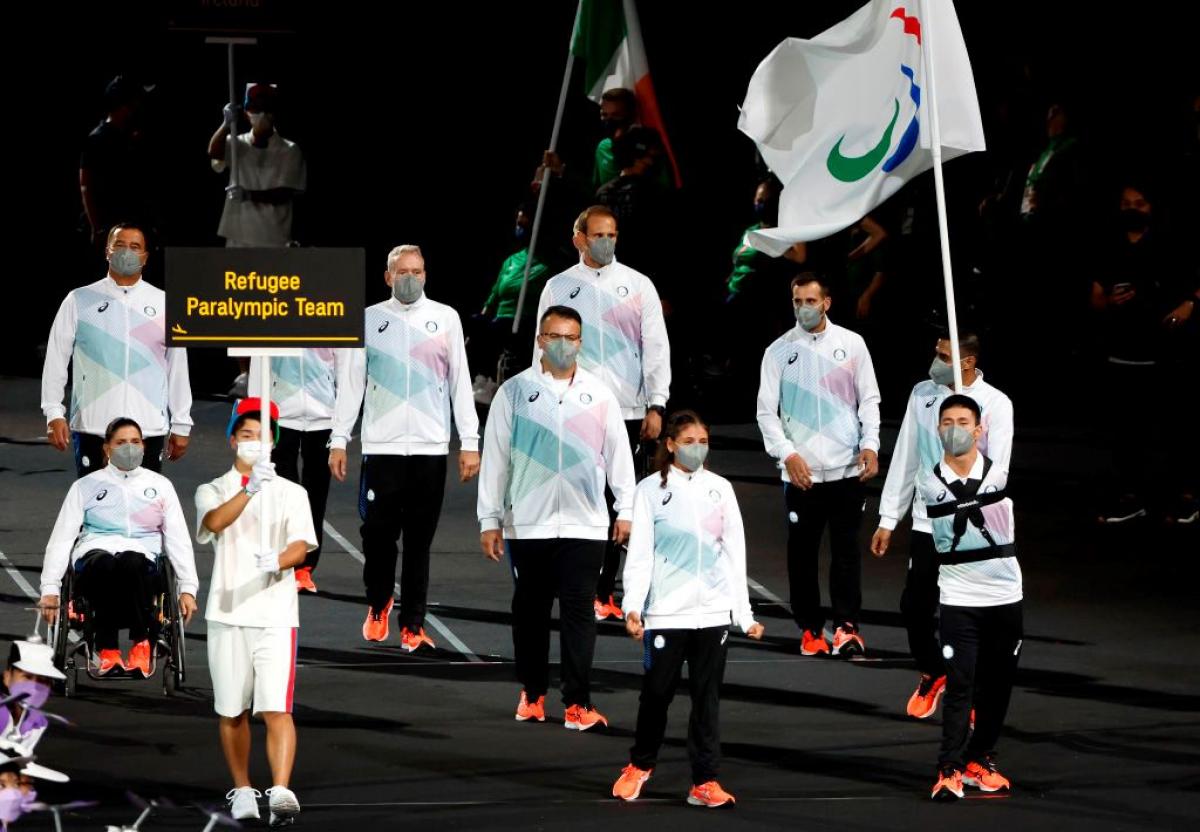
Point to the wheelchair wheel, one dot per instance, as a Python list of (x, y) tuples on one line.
[(175, 671), (60, 637)]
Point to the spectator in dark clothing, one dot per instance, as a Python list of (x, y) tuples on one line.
[(641, 205), (1146, 292)]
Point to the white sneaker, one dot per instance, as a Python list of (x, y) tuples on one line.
[(284, 806), (243, 802)]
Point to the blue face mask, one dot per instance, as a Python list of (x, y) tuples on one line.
[(691, 456)]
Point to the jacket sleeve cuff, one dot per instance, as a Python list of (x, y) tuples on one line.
[(746, 622), (489, 524), (337, 443), (870, 444), (888, 523), (783, 452), (179, 429), (471, 445), (658, 400), (51, 589), (626, 515), (190, 588), (54, 412)]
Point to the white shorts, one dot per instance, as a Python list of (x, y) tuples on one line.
[(251, 666)]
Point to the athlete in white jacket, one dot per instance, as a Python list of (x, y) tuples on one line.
[(818, 410), (624, 343), (554, 439), (112, 335), (919, 449), (413, 373), (113, 526), (685, 584), (305, 389)]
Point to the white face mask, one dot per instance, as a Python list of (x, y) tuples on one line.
[(249, 452)]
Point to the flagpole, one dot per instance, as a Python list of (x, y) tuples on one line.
[(541, 203), (940, 191)]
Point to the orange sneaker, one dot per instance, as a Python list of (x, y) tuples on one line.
[(139, 658), (949, 785), (304, 581), (924, 700), (813, 643), (847, 642), (629, 784), (110, 660), (527, 710), (710, 795), (410, 641), (375, 628), (614, 609), (583, 717), (982, 774)]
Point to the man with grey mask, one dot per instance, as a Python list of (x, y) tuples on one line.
[(918, 449), (413, 374), (270, 174), (112, 335), (818, 410), (554, 440), (624, 343)]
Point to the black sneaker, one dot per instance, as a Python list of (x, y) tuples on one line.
[(1184, 511)]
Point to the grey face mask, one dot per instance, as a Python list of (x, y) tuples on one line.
[(125, 262), (602, 250), (809, 317), (691, 456), (941, 372), (128, 456), (956, 441), (561, 353), (407, 288)]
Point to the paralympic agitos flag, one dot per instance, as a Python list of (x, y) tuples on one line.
[(842, 118)]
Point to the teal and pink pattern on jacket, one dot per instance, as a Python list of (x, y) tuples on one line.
[(817, 395)]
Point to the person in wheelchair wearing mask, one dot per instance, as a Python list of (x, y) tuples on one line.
[(113, 526)]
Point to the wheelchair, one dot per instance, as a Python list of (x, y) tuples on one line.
[(73, 636)]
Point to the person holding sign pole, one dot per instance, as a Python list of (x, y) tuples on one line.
[(413, 374)]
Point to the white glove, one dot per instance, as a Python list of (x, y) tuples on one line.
[(263, 471), (267, 562), (235, 193)]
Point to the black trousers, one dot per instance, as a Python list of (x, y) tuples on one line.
[(89, 453), (400, 496), (919, 605), (666, 651), (838, 504), (982, 646), (313, 447), (543, 569), (119, 589), (643, 456)]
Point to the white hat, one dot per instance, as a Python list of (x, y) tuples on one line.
[(37, 659), (15, 752)]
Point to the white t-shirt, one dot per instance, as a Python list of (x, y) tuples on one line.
[(239, 593), (278, 165)]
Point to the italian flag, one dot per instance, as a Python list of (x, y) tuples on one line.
[(608, 38)]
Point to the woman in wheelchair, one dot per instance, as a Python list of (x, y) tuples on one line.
[(113, 527)]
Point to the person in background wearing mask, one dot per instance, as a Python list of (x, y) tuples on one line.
[(113, 526), (980, 587), (495, 320), (918, 448), (112, 334), (624, 344), (554, 439), (305, 389), (818, 410), (413, 374), (1145, 293), (270, 174), (252, 613), (30, 671), (685, 584)]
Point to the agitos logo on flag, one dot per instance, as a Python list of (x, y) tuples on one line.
[(841, 119)]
